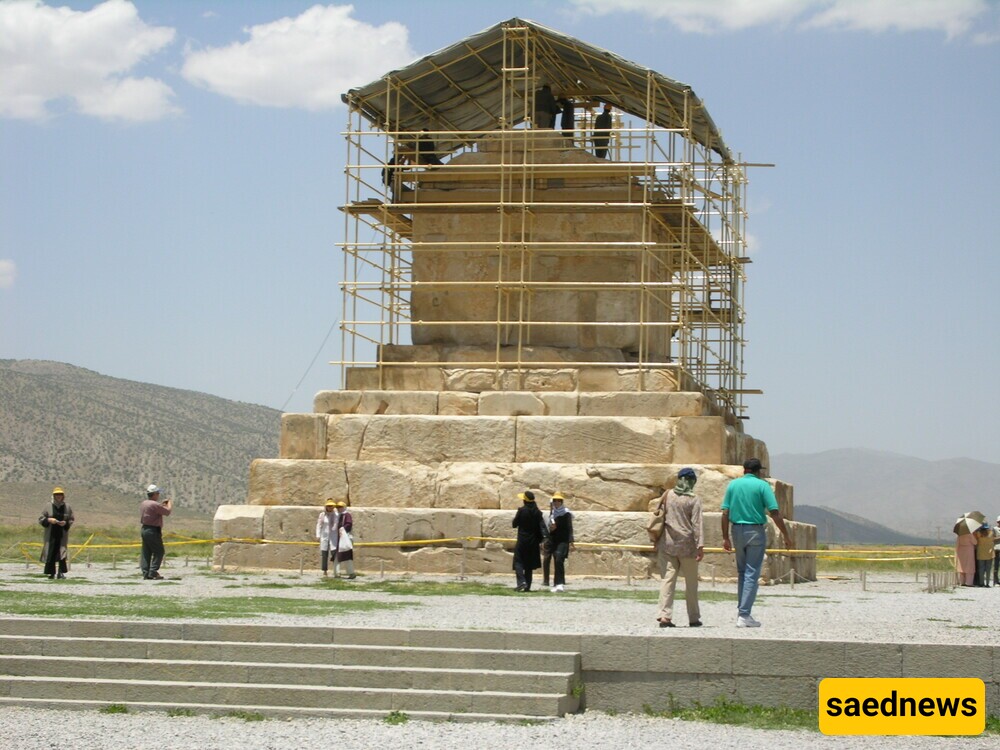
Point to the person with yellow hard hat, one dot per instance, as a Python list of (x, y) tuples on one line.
[(56, 519)]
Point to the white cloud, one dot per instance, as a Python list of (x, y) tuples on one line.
[(953, 17), (703, 17), (8, 273), (304, 62), (47, 54)]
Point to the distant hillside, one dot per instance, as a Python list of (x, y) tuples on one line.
[(909, 495), (834, 527), (67, 425)]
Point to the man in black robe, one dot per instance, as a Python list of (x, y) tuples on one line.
[(530, 525), (602, 132), (56, 519)]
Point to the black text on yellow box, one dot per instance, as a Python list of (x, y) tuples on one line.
[(904, 705)]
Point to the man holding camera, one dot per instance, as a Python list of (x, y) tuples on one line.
[(151, 514)]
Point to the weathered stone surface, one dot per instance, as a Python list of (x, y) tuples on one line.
[(700, 440), (470, 485), (436, 439), (344, 433), (455, 404), (336, 402), (559, 404), (619, 404), (392, 484), (510, 404), (238, 521), (612, 379), (398, 402), (302, 436), (597, 439), (278, 481)]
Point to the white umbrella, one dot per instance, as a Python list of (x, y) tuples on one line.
[(966, 525), (977, 515)]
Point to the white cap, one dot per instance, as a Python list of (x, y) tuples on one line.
[(151, 489)]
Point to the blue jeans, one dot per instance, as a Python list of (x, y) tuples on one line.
[(749, 542)]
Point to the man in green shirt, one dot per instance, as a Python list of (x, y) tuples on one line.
[(748, 502)]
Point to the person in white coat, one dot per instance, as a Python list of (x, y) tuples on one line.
[(327, 531)]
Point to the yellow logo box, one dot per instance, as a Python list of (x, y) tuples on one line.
[(905, 705)]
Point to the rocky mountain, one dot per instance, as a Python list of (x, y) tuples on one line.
[(835, 527), (910, 495), (67, 425)]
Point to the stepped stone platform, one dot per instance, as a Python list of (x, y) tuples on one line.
[(421, 457), (285, 671)]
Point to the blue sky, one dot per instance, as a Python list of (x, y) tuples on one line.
[(170, 175)]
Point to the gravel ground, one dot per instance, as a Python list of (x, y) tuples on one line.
[(894, 608)]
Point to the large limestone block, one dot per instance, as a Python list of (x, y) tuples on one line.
[(596, 439), (238, 521), (344, 435), (404, 484), (265, 556), (582, 484), (588, 526), (410, 524), (612, 379), (302, 436), (471, 485), (395, 379), (435, 439), (510, 404), (711, 486), (457, 404), (653, 404), (337, 402), (283, 523), (560, 404), (700, 440), (398, 402), (278, 481)]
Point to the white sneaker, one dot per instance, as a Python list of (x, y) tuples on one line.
[(558, 589), (747, 622)]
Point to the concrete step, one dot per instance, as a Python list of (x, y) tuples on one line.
[(286, 653), (275, 670), (322, 674), (215, 709), (282, 695)]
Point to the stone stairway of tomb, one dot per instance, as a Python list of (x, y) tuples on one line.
[(284, 671)]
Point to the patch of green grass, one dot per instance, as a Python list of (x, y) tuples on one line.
[(396, 717), (937, 619), (114, 708), (180, 712), (969, 627), (11, 536), (167, 608), (245, 715), (724, 711)]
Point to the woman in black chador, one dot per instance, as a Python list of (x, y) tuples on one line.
[(56, 520), (530, 525)]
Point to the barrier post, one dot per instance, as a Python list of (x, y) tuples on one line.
[(628, 569), (461, 565), (222, 560), (114, 561), (381, 568), (864, 579), (302, 563)]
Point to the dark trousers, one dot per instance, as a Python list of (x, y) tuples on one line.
[(53, 561), (559, 556), (996, 567), (152, 550), (523, 575), (983, 569)]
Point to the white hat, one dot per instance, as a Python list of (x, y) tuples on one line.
[(151, 489)]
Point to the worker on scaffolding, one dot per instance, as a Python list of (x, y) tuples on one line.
[(546, 108), (602, 132)]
